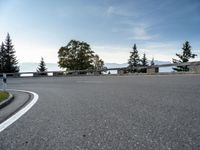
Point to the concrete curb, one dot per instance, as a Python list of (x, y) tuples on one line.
[(20, 111), (7, 101)]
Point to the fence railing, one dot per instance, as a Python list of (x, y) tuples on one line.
[(194, 67)]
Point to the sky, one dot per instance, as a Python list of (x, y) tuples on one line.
[(38, 28)]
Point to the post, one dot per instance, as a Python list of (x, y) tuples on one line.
[(4, 82)]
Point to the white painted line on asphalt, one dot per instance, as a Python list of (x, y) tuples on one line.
[(21, 112)]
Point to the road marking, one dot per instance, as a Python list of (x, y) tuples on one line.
[(21, 112)]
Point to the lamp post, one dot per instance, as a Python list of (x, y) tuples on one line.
[(4, 82)]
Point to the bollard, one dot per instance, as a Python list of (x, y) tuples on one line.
[(4, 82)]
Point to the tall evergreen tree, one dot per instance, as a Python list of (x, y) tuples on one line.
[(42, 67), (152, 62), (144, 60), (134, 60), (2, 57), (184, 57), (10, 61), (144, 63)]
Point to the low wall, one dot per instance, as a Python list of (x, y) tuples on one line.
[(152, 70), (120, 72), (194, 69), (37, 74), (58, 73)]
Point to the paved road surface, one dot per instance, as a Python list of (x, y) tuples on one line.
[(139, 112), (21, 99)]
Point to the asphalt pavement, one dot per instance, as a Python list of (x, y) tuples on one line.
[(20, 100), (108, 112)]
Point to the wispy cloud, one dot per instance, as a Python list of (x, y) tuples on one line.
[(135, 31), (119, 11), (140, 33), (160, 50), (163, 46)]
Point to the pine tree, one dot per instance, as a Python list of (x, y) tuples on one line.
[(2, 57), (10, 61), (144, 60), (152, 62), (184, 57), (144, 63), (134, 60), (42, 67)]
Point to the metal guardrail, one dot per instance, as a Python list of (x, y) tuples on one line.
[(90, 71)]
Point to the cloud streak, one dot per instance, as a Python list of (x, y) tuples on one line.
[(119, 11), (140, 33), (135, 31)]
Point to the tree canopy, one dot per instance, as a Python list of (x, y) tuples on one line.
[(184, 57), (144, 63), (144, 60), (7, 57), (152, 62), (134, 59), (98, 63), (42, 66), (78, 55)]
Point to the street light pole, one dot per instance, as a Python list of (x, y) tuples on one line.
[(4, 82)]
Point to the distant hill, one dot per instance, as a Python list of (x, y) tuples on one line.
[(116, 65), (157, 62), (32, 67)]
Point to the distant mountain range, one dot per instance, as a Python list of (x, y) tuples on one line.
[(31, 67), (116, 65), (157, 62)]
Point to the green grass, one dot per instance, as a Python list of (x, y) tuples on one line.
[(3, 95)]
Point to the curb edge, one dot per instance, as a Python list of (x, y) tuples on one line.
[(7, 101)]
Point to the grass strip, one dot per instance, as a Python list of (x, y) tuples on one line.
[(3, 95)]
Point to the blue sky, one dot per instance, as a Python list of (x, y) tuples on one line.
[(159, 28)]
